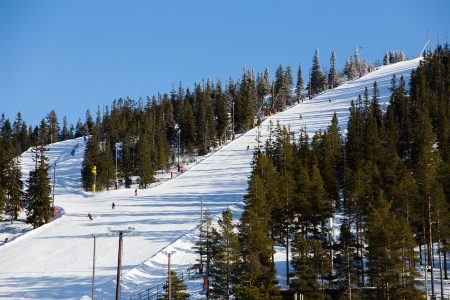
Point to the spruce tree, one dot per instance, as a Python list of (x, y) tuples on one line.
[(178, 288), (91, 159), (145, 169), (65, 131), (279, 102), (38, 200), (318, 80), (386, 59), (333, 73), (300, 84), (388, 242), (105, 168), (244, 109), (52, 128), (14, 187), (287, 85), (188, 130), (79, 129), (225, 260), (203, 246), (258, 280), (127, 159), (221, 112)]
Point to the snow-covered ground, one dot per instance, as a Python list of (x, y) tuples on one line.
[(55, 261)]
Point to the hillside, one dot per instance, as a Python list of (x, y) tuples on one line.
[(55, 260)]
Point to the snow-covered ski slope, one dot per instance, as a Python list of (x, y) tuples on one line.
[(55, 261)]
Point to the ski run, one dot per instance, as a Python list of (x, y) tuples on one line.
[(55, 260)]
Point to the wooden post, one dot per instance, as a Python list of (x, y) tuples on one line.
[(119, 266), (169, 279), (93, 271)]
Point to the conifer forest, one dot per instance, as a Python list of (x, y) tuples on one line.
[(386, 177)]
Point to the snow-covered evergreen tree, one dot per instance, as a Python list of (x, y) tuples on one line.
[(333, 74)]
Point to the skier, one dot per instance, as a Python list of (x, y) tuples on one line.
[(90, 216), (113, 206), (135, 192), (248, 147), (329, 100)]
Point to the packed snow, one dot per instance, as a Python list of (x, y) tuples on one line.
[(55, 260)]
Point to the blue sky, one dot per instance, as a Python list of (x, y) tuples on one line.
[(76, 55)]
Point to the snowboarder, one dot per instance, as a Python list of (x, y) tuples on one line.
[(135, 192), (113, 206), (90, 216), (329, 100)]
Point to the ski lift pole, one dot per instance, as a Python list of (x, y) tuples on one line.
[(120, 233), (169, 275), (93, 271)]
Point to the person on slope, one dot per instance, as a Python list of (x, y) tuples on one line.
[(90, 216), (113, 206), (135, 192)]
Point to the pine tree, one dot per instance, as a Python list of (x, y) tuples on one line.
[(258, 280), (91, 159), (386, 59), (287, 85), (53, 128), (38, 200), (244, 109), (221, 111), (79, 129), (330, 160), (65, 131), (178, 288), (146, 172), (388, 239), (266, 85), (300, 84), (20, 135), (333, 74), (350, 69), (188, 130), (311, 263), (89, 124), (14, 187), (105, 169), (226, 258), (318, 80), (344, 261), (279, 102), (127, 160), (203, 246)]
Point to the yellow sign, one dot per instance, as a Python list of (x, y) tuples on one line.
[(94, 170)]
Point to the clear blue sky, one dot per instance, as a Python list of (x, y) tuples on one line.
[(73, 55)]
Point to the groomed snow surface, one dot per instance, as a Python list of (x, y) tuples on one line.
[(55, 260)]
